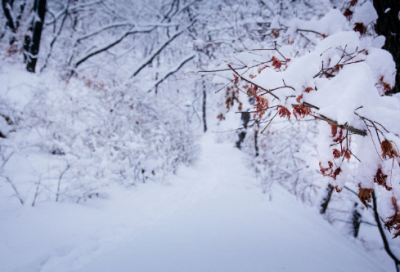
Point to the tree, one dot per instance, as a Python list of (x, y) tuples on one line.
[(12, 18), (32, 43), (339, 83), (334, 71), (388, 25), (7, 8)]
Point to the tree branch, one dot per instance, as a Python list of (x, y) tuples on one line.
[(55, 38), (174, 71), (59, 181), (110, 45), (102, 29), (245, 79), (7, 8), (382, 232), (346, 127), (15, 190), (333, 122), (150, 59)]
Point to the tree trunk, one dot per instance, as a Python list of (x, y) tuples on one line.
[(326, 199), (242, 132), (356, 220), (7, 8), (382, 233), (204, 106), (388, 25), (32, 44), (256, 137)]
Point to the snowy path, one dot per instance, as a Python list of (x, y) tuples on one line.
[(211, 217)]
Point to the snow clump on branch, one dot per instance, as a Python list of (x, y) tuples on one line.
[(333, 69)]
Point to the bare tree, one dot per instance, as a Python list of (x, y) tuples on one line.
[(32, 44)]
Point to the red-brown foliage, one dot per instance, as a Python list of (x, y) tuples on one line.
[(333, 129), (360, 27), (236, 79), (388, 150), (353, 3), (275, 32), (221, 117), (232, 96), (309, 89), (365, 195), (347, 155), (283, 112), (261, 106), (336, 153), (326, 172), (336, 172), (301, 111), (380, 179), (340, 137), (386, 86), (262, 68), (276, 62), (348, 14), (393, 222)]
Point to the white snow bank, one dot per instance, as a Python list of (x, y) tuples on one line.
[(211, 217)]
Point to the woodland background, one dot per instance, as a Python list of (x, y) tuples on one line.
[(98, 95)]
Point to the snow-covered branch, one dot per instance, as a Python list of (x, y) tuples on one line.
[(103, 29), (155, 54), (173, 71), (342, 82), (110, 45)]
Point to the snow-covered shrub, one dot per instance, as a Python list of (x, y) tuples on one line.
[(285, 154), (67, 140)]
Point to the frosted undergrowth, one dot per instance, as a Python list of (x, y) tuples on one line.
[(66, 140)]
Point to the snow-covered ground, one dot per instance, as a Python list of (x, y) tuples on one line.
[(210, 217)]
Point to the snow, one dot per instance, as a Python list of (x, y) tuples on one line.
[(210, 217), (382, 65), (103, 161), (331, 23), (365, 14), (350, 89)]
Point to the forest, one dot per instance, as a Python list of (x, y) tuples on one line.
[(198, 135)]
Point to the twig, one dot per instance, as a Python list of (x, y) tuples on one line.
[(59, 181), (346, 127), (174, 71), (148, 61), (243, 78), (37, 190), (306, 30), (382, 232), (79, 62), (257, 110), (103, 29), (270, 121), (55, 38), (6, 160), (15, 190)]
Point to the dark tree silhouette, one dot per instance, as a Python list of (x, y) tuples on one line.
[(388, 25), (32, 43), (12, 20), (7, 8)]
